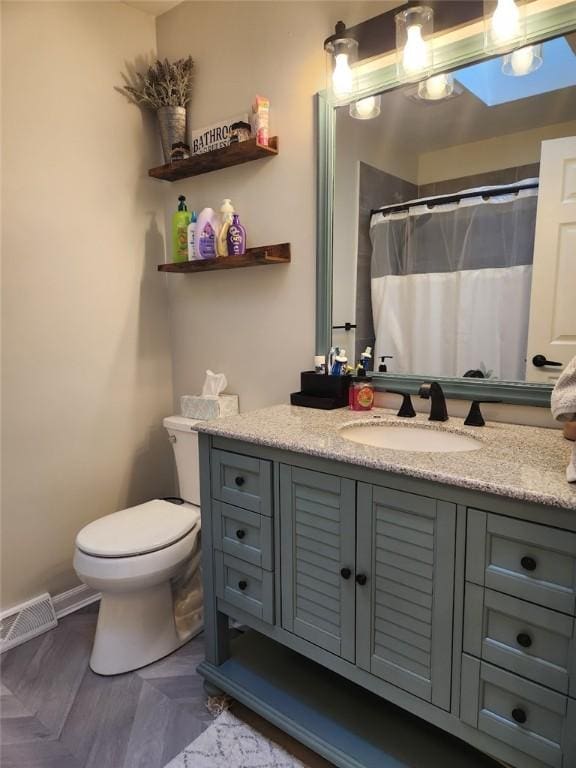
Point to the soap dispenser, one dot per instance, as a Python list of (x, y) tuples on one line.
[(383, 368), (180, 221), (227, 212)]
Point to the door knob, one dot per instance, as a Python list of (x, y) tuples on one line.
[(345, 573), (361, 579), (540, 361)]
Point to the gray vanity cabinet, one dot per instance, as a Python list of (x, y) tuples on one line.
[(456, 606), (318, 531), (406, 546), (371, 581)]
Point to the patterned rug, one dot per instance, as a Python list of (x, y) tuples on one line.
[(230, 743)]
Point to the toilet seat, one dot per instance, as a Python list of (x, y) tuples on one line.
[(145, 528)]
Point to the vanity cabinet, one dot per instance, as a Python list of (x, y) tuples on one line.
[(318, 562), (457, 607), (404, 610)]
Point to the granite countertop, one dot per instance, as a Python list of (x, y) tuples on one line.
[(525, 463)]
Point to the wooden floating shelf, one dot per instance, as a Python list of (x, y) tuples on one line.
[(233, 154), (254, 257)]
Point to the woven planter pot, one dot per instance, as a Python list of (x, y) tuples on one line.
[(172, 122)]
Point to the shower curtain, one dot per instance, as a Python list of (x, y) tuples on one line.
[(451, 284)]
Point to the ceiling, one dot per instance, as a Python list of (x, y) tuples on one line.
[(153, 7)]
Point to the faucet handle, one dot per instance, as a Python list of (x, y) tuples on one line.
[(406, 409), (475, 418)]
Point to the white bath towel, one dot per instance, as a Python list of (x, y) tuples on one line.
[(563, 404)]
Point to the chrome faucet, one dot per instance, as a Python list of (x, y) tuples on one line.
[(434, 392)]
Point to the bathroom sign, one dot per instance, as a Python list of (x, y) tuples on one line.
[(214, 136)]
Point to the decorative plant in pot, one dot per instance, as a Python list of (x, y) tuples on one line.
[(165, 88)]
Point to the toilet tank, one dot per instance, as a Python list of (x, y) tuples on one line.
[(184, 439)]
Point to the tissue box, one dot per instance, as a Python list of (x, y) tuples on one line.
[(206, 408)]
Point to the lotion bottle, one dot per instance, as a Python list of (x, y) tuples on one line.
[(227, 212), (236, 237), (180, 221), (192, 237), (206, 233)]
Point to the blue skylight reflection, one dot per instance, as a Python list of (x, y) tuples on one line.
[(487, 81)]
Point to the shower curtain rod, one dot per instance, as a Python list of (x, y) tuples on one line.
[(444, 199)]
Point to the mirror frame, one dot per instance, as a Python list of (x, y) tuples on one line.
[(551, 22)]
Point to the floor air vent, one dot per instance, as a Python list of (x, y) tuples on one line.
[(25, 621)]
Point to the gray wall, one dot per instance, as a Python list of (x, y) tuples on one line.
[(376, 188)]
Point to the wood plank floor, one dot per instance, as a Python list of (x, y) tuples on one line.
[(56, 713)]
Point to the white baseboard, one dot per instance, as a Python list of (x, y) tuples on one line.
[(74, 599)]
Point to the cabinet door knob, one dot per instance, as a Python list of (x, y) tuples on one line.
[(519, 715), (528, 563), (239, 481), (345, 573), (242, 585), (361, 579), (524, 640), (240, 533)]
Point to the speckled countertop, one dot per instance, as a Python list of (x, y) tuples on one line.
[(526, 463)]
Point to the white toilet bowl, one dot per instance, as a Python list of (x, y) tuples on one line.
[(131, 557)]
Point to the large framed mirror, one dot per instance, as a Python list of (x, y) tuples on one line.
[(447, 222)]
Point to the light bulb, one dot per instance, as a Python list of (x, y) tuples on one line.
[(365, 109), (505, 22), (522, 60), (436, 87), (415, 57), (342, 76)]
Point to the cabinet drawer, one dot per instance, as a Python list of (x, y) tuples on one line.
[(243, 481), (526, 716), (532, 562), (245, 586), (526, 639), (243, 534)]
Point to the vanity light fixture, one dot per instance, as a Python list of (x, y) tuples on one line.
[(342, 50), (436, 88), (365, 109), (414, 28), (523, 61), (504, 24)]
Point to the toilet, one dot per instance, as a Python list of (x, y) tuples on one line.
[(145, 561)]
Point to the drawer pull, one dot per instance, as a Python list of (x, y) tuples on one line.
[(519, 715), (345, 573), (528, 563), (242, 585), (524, 640), (240, 533), (361, 579), (239, 481)]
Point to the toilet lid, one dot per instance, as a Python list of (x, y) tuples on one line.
[(137, 530)]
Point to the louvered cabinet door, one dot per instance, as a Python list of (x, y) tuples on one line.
[(405, 548), (318, 529)]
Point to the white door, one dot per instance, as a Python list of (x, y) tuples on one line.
[(552, 329)]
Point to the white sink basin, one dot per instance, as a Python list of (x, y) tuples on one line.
[(414, 439)]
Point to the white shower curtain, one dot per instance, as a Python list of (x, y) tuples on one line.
[(451, 285)]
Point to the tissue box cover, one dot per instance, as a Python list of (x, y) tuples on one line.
[(206, 408)]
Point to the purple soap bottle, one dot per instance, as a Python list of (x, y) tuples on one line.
[(236, 237)]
